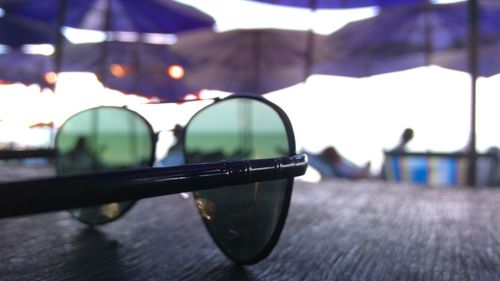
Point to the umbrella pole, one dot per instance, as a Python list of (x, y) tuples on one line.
[(105, 46), (137, 65), (472, 59), (309, 54), (310, 45), (257, 55), (58, 50), (428, 34)]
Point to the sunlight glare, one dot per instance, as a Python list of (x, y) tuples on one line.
[(77, 36), (38, 49)]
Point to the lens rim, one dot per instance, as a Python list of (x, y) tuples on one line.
[(266, 251), (150, 162)]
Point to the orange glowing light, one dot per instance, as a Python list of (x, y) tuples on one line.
[(175, 71), (50, 77), (118, 70)]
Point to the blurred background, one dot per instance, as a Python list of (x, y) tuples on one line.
[(360, 113)]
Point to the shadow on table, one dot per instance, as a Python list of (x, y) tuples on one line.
[(229, 272), (92, 256)]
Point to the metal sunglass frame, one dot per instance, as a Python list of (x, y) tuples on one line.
[(85, 190)]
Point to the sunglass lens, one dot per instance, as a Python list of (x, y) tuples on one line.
[(245, 221), (103, 139)]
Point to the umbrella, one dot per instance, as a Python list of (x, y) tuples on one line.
[(338, 4), (153, 16), (488, 60), (254, 61), (146, 16), (131, 67), (16, 66), (331, 4), (16, 31), (403, 37)]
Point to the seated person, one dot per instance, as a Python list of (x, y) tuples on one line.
[(175, 154), (406, 137), (330, 164)]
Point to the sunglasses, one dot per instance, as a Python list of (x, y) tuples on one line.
[(239, 162)]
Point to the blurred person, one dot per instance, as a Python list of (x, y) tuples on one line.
[(80, 159), (330, 164), (342, 167), (402, 146), (175, 154), (406, 137)]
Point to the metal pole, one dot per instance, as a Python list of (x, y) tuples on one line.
[(472, 59), (105, 45), (255, 85), (429, 44), (59, 42), (310, 45)]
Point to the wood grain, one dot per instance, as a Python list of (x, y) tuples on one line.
[(336, 230)]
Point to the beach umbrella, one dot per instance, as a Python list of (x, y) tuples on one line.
[(145, 16), (149, 70), (144, 69), (338, 4), (330, 4), (254, 61), (403, 37), (17, 66), (152, 16), (488, 63), (16, 31)]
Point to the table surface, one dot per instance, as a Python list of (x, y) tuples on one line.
[(336, 230)]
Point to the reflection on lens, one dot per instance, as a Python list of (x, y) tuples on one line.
[(243, 220), (103, 139)]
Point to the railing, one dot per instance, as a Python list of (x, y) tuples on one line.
[(439, 169), (24, 154)]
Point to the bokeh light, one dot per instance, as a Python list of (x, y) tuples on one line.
[(175, 72)]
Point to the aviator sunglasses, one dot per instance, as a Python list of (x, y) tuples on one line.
[(239, 162)]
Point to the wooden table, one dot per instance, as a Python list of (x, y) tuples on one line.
[(336, 230)]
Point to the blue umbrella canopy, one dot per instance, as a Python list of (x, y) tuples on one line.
[(403, 37), (153, 16), (16, 66), (144, 16), (254, 61), (131, 67), (330, 4), (338, 4), (488, 60), (16, 31)]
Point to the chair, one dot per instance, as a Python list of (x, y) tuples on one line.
[(438, 169)]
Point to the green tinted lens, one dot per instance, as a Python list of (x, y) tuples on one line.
[(103, 139), (245, 221)]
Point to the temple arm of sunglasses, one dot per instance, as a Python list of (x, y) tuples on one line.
[(61, 193)]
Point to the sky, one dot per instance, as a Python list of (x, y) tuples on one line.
[(230, 14)]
